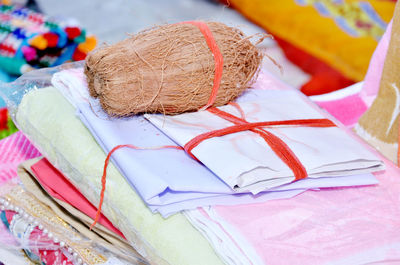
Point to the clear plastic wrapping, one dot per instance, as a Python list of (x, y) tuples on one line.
[(13, 94), (32, 227), (48, 120)]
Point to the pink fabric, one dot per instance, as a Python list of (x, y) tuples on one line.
[(13, 150), (324, 226), (59, 187), (338, 225), (347, 110), (373, 77)]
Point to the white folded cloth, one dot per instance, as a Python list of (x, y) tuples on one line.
[(244, 160), (169, 180)]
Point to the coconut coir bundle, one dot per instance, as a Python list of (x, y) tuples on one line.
[(170, 69)]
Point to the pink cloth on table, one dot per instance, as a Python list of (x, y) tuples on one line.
[(59, 187), (329, 225), (13, 150), (347, 110)]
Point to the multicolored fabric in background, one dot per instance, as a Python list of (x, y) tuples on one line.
[(30, 39), (332, 40), (7, 126)]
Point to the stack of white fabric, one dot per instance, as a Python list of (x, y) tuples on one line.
[(237, 168)]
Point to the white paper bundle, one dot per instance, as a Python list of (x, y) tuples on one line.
[(244, 160)]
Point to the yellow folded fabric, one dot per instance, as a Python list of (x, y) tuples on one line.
[(342, 34)]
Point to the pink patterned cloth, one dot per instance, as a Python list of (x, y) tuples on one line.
[(13, 150), (330, 226), (348, 107), (373, 77)]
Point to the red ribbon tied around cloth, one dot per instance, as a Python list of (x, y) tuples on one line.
[(280, 148)]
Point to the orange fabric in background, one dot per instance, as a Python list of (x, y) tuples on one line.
[(302, 24)]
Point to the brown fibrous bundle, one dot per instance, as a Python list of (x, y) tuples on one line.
[(170, 69)]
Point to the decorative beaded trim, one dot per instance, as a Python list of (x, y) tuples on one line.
[(31, 211)]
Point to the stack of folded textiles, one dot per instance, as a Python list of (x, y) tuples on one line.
[(224, 208), (257, 175), (46, 226)]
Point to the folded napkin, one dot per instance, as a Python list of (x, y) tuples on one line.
[(244, 160), (178, 182)]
